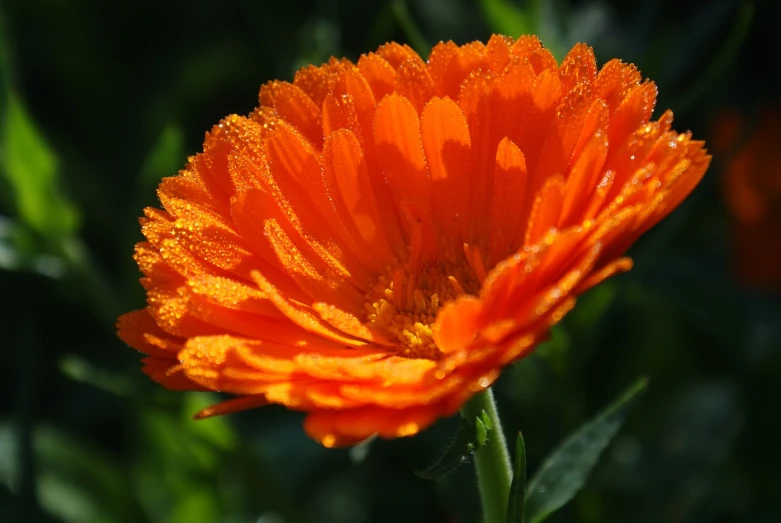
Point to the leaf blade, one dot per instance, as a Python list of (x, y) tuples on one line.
[(32, 171), (518, 487), (565, 471)]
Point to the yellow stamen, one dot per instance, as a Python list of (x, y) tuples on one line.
[(405, 301)]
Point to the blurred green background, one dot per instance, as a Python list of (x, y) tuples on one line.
[(99, 100)]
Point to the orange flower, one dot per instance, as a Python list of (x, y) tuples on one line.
[(752, 189), (374, 242)]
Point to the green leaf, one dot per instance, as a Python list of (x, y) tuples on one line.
[(565, 471), (31, 170), (518, 486)]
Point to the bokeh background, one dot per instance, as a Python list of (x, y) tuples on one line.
[(99, 100)]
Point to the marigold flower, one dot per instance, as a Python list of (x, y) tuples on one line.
[(375, 241), (752, 190)]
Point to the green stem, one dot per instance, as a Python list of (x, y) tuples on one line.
[(492, 461)]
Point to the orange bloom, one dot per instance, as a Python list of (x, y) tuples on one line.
[(752, 190), (374, 242)]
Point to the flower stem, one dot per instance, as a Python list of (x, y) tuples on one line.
[(492, 461)]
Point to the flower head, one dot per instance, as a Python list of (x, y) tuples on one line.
[(375, 241)]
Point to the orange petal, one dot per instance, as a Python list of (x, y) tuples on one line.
[(168, 373), (546, 95), (569, 126), (614, 80), (446, 144), (317, 82), (304, 316), (231, 294), (614, 267), (349, 324), (211, 168), (139, 330), (583, 179), (339, 113), (352, 85), (633, 111), (449, 65), (210, 237), (296, 108), (579, 66), (351, 191), (232, 406), (313, 268), (335, 428), (407, 397), (379, 74), (543, 60), (227, 363), (545, 210), (300, 194), (525, 46), (498, 52), (414, 83), (293, 160), (170, 309), (400, 151), (457, 324), (509, 191), (396, 54), (186, 188), (480, 103)]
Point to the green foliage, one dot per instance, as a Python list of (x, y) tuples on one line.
[(31, 170), (515, 505), (565, 471), (97, 104)]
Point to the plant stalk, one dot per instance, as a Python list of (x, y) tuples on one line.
[(492, 461)]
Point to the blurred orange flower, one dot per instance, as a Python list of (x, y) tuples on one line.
[(375, 241), (752, 190)]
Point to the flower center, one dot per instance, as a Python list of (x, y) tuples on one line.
[(404, 302)]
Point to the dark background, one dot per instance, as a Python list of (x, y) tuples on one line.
[(99, 100)]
